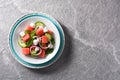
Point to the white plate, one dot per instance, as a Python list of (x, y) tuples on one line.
[(51, 24)]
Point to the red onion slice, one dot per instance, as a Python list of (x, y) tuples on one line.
[(49, 46), (33, 47)]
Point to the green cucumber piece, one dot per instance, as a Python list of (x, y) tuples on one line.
[(21, 43), (49, 36), (38, 23)]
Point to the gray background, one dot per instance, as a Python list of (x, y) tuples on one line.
[(92, 30)]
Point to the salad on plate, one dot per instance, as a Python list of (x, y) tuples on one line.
[(36, 40)]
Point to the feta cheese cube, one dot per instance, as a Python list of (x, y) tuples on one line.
[(50, 46), (37, 49), (35, 42), (45, 29), (22, 33), (32, 25), (41, 27), (39, 39)]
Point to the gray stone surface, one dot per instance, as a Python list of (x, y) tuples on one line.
[(92, 30)]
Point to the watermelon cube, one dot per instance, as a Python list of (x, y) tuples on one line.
[(29, 28), (39, 32), (26, 37), (44, 39), (26, 51), (42, 54), (50, 32)]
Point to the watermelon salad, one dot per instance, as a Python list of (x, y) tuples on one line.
[(36, 40)]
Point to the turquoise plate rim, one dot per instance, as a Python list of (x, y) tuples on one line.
[(61, 47)]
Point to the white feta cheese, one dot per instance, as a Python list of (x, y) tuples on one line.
[(32, 25), (45, 29), (50, 46), (38, 39), (22, 33), (37, 49), (35, 42), (41, 27)]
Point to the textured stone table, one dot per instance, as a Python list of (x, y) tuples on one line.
[(92, 30)]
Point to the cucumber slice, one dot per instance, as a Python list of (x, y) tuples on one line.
[(49, 36), (21, 43), (38, 23)]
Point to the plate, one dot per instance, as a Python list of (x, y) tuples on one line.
[(51, 24)]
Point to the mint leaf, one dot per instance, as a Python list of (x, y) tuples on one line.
[(32, 33), (29, 43), (27, 32), (49, 51), (53, 41)]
